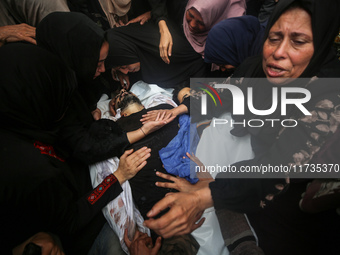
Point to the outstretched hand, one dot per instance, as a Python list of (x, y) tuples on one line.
[(160, 121), (183, 217), (152, 115), (165, 43), (16, 33), (176, 183), (141, 18), (131, 163), (202, 174)]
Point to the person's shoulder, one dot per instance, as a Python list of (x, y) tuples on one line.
[(250, 67), (30, 158), (331, 69)]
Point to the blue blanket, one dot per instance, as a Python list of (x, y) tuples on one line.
[(172, 155)]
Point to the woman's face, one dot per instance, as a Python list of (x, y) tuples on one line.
[(289, 46), (132, 68), (183, 93), (195, 21), (104, 51)]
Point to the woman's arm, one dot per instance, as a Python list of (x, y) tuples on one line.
[(159, 15), (161, 119), (186, 208)]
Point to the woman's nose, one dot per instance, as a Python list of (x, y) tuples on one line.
[(193, 23), (281, 50)]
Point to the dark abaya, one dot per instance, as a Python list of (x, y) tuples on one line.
[(38, 191), (281, 226), (140, 43), (77, 40)]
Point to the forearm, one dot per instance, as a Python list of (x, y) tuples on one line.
[(92, 203), (103, 140), (179, 110), (163, 28), (205, 198), (136, 135)]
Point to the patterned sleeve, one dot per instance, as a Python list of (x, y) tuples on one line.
[(293, 146)]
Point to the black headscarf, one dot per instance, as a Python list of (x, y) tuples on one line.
[(325, 26), (245, 194), (75, 38), (35, 91), (140, 43)]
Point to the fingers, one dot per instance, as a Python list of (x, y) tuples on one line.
[(198, 216), (138, 168), (180, 219), (169, 194), (121, 80), (160, 116), (157, 246), (169, 119), (149, 116), (197, 225), (121, 23), (166, 176), (30, 40), (114, 75), (167, 185), (127, 153), (20, 32), (194, 159), (191, 156), (139, 155), (126, 239), (126, 82), (165, 59), (170, 49), (135, 20), (147, 240), (169, 224), (165, 50), (157, 117), (160, 206), (163, 53)]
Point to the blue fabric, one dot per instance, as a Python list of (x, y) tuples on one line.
[(232, 40), (172, 155)]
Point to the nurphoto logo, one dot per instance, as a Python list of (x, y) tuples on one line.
[(238, 104)]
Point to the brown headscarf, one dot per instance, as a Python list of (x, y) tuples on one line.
[(114, 9)]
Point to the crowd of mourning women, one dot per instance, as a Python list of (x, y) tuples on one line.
[(58, 57)]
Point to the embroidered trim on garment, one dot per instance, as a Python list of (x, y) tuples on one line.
[(47, 150), (101, 188)]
